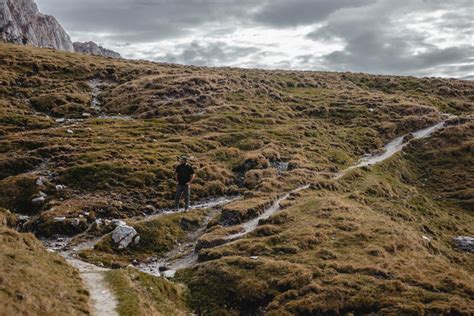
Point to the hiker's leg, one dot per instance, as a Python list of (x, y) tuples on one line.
[(179, 191), (187, 193)]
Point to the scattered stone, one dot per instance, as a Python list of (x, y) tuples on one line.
[(123, 235), (70, 131), (59, 219), (254, 257), (39, 182), (169, 274), (426, 238), (465, 243), (38, 200), (23, 217), (42, 194), (118, 222), (85, 114), (280, 165), (60, 120)]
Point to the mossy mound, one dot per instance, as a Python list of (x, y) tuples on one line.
[(142, 294)]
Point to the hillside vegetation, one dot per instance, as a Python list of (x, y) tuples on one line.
[(85, 138), (29, 278)]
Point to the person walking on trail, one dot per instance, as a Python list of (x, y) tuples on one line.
[(184, 176)]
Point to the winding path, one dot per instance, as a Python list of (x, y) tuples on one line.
[(104, 302), (184, 256)]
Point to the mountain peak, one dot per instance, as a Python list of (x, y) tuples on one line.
[(92, 48), (22, 23)]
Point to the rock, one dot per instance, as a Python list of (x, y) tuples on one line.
[(22, 23), (42, 194), (23, 218), (163, 268), (465, 243), (60, 120), (39, 181), (70, 131), (123, 235), (92, 48), (254, 257), (59, 187), (169, 274), (118, 222), (86, 114), (38, 200), (59, 219)]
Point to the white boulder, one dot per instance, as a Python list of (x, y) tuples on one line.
[(123, 235)]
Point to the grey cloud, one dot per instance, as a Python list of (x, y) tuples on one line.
[(373, 39), (211, 54), (375, 44), (284, 13), (141, 20)]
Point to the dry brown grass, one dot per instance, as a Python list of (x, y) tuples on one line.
[(29, 279), (355, 244)]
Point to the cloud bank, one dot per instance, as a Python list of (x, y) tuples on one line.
[(407, 37)]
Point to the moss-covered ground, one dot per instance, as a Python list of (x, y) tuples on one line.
[(378, 240)]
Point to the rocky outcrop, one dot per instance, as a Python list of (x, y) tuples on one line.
[(22, 23), (92, 48), (465, 243), (123, 235)]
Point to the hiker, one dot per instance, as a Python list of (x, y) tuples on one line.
[(184, 175)]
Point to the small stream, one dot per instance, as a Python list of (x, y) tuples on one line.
[(184, 256), (103, 301), (390, 149)]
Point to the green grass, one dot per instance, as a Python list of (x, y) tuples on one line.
[(141, 294)]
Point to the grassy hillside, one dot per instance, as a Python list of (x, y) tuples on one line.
[(29, 278), (98, 138)]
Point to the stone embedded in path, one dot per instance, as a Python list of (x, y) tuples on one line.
[(465, 243), (123, 235)]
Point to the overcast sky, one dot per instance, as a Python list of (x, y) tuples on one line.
[(410, 37)]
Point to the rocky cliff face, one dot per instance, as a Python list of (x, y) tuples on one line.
[(22, 23), (92, 48)]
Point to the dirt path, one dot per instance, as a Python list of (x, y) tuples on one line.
[(103, 301)]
